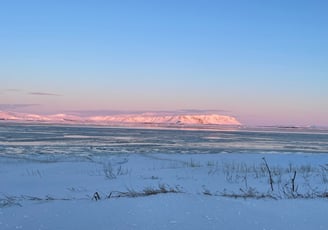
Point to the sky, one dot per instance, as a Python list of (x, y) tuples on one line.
[(264, 62)]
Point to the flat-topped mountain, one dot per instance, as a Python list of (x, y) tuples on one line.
[(206, 119), (145, 118)]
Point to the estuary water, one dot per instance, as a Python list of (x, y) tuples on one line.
[(42, 140)]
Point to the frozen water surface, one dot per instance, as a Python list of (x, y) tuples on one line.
[(74, 140)]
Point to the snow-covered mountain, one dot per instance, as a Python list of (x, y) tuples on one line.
[(206, 119), (14, 116), (145, 118)]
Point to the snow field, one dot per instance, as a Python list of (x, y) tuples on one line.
[(211, 191)]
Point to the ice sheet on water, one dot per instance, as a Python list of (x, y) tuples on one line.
[(49, 141)]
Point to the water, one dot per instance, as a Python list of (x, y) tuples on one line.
[(67, 141)]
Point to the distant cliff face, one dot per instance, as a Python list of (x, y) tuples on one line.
[(205, 119)]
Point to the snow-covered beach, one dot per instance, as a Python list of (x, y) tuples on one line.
[(81, 177)]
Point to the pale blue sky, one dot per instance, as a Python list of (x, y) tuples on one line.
[(262, 61)]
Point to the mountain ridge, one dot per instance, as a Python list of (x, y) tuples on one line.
[(144, 118)]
